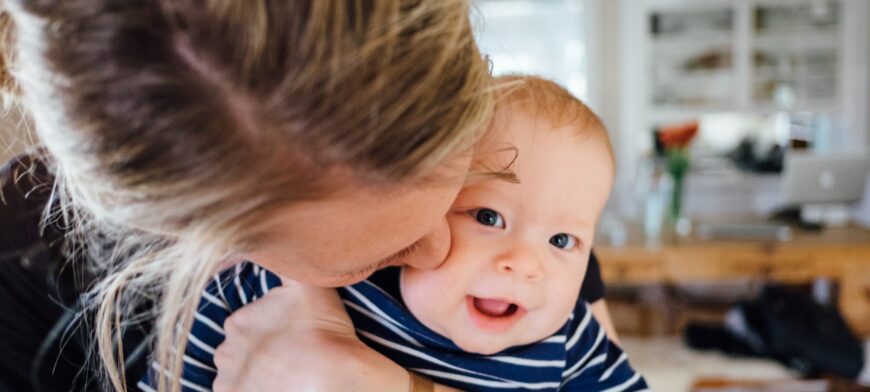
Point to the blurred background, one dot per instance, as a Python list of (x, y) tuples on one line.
[(739, 214)]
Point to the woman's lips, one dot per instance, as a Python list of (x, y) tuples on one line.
[(493, 315)]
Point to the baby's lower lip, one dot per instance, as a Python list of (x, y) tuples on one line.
[(492, 323)]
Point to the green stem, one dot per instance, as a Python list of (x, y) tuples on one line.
[(677, 198), (678, 167)]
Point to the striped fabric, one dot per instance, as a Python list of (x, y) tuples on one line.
[(577, 358)]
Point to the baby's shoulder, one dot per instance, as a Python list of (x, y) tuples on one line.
[(382, 284), (581, 329), (580, 316)]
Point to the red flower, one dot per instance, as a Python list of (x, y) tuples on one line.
[(678, 135)]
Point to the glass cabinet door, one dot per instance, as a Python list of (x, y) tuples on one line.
[(692, 65)]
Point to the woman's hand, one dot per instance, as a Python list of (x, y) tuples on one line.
[(300, 338)]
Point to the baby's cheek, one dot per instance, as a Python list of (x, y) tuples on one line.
[(565, 295), (558, 310), (424, 294)]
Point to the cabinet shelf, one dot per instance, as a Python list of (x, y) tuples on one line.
[(723, 56)]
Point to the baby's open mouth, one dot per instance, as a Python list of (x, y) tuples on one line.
[(493, 314), (494, 307)]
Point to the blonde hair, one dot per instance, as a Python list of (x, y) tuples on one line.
[(173, 126), (548, 100), (545, 100)]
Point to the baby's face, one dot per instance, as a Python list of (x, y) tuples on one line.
[(519, 251)]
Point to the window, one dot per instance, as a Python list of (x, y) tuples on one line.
[(542, 37)]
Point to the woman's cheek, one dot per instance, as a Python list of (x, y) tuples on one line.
[(433, 250)]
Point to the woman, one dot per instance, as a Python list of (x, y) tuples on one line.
[(186, 135), (320, 139), (39, 301)]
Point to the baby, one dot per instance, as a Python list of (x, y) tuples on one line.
[(502, 312)]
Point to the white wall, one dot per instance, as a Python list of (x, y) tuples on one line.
[(605, 62), (857, 84), (604, 65)]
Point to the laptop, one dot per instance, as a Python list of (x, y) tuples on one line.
[(824, 179)]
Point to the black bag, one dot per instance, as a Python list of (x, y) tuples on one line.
[(790, 327)]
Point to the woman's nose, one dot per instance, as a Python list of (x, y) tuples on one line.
[(522, 264), (432, 250)]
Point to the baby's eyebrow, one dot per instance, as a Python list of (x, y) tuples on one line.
[(489, 189), (574, 222), (479, 176)]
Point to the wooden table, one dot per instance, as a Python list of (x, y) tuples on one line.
[(839, 254)]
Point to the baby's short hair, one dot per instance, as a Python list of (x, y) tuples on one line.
[(548, 100)]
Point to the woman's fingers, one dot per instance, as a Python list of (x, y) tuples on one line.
[(321, 307), (291, 339)]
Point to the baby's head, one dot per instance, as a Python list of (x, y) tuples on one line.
[(519, 247)]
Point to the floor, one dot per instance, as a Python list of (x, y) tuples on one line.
[(670, 366)]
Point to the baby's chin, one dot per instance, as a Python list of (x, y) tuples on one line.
[(476, 341), (482, 348), (488, 345)]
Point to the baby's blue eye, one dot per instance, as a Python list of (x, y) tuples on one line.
[(563, 241), (489, 217)]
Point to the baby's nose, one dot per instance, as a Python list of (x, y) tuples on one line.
[(522, 267)]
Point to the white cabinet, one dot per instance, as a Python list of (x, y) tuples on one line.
[(682, 59)]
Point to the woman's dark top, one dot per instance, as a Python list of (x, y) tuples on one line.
[(36, 291), (43, 343), (43, 340)]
